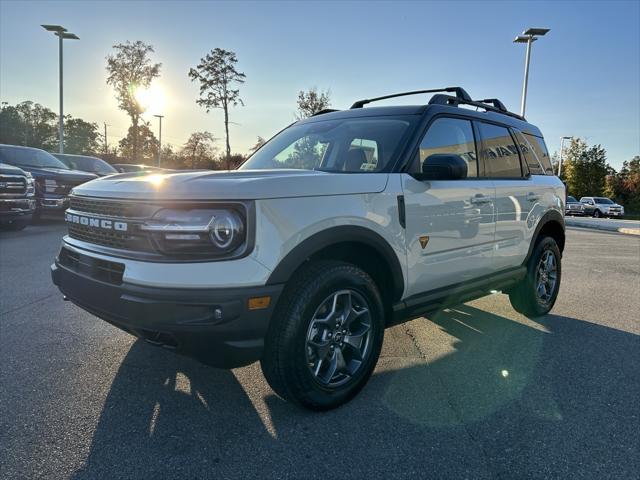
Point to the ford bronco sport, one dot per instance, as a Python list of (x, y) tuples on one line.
[(341, 225)]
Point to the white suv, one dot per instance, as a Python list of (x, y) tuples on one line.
[(339, 226)]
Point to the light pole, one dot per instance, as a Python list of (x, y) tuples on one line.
[(62, 34), (160, 117), (528, 36), (562, 139)]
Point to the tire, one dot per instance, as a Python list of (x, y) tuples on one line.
[(525, 297), (16, 225), (302, 344), (597, 214)]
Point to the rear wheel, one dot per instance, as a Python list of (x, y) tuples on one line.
[(597, 214), (536, 294), (325, 337)]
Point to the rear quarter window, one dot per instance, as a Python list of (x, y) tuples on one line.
[(539, 149)]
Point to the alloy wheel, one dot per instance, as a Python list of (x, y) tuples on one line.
[(546, 277), (339, 338)]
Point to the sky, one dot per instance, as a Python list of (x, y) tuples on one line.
[(584, 77)]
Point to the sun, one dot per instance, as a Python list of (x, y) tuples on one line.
[(151, 99)]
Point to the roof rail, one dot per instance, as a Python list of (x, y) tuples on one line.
[(323, 111), (459, 91), (496, 105)]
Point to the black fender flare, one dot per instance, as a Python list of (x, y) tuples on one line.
[(333, 236), (550, 216)]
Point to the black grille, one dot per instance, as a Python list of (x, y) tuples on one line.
[(102, 270), (12, 185), (107, 208), (107, 238)]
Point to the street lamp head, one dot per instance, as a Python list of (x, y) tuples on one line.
[(536, 31), (54, 28), (523, 39), (159, 116), (68, 36), (566, 138)]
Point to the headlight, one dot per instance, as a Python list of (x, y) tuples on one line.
[(50, 185), (31, 188), (200, 232)]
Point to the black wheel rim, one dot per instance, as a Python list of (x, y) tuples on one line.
[(338, 340)]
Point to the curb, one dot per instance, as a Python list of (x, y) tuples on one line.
[(605, 228)]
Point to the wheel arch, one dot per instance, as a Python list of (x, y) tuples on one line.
[(551, 224), (354, 244)]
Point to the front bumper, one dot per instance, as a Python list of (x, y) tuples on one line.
[(12, 208), (53, 203), (215, 326)]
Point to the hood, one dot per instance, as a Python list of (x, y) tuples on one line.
[(60, 174), (6, 169), (231, 185)]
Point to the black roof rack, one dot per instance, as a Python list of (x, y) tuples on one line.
[(489, 104), (323, 111), (460, 92), (496, 103)]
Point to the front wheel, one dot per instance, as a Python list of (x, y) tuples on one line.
[(536, 294), (597, 214), (325, 337), (15, 225)]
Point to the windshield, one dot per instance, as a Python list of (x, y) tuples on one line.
[(88, 164), (357, 145), (30, 157), (603, 200), (571, 199)]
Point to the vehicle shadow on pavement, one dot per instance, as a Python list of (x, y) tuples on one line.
[(554, 398)]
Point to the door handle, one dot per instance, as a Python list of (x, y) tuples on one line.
[(533, 197), (480, 199)]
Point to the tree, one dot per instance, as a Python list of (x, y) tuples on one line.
[(624, 187), (312, 102), (128, 70), (12, 127), (29, 124), (586, 169), (139, 141), (80, 137), (217, 75), (235, 161), (200, 149), (261, 141)]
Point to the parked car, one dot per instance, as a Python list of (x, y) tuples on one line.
[(573, 207), (86, 163), (339, 226), (53, 179), (139, 167), (601, 207), (17, 197)]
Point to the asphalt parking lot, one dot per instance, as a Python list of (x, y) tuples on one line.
[(476, 391)]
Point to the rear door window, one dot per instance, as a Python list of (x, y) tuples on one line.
[(499, 152)]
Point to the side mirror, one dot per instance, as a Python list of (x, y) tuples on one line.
[(443, 166)]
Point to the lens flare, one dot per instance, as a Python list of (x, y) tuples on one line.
[(155, 179), (151, 99)]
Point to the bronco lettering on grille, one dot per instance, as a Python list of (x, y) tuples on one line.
[(96, 222)]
